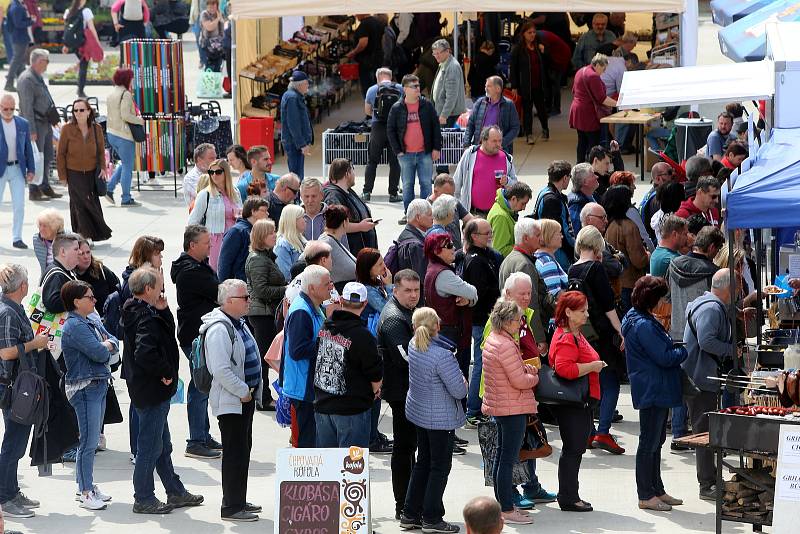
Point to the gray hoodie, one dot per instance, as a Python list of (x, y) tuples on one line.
[(688, 277), (713, 327)]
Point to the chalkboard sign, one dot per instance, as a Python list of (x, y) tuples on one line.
[(322, 491)]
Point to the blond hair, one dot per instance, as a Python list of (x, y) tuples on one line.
[(589, 238), (231, 192), (721, 259), (261, 229), (550, 229), (287, 226), (52, 219), (425, 322)]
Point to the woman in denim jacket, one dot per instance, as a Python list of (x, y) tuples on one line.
[(436, 387), (89, 351)]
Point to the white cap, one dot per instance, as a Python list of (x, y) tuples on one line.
[(354, 292)]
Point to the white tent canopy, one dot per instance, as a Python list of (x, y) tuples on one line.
[(250, 9), (697, 85)]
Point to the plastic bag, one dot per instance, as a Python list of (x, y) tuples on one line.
[(38, 160), (178, 397), (209, 85)]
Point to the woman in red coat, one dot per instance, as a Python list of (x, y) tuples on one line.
[(572, 357), (588, 99)]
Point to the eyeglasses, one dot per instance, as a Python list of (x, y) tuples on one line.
[(245, 297), (218, 172), (449, 246), (90, 297), (79, 110), (601, 217), (6, 109), (293, 190)]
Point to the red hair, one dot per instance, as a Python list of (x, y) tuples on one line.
[(123, 77), (622, 178), (434, 244), (568, 300)]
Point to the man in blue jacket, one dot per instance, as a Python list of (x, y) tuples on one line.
[(493, 110), (297, 136), (236, 243), (16, 163), (298, 365), (18, 22)]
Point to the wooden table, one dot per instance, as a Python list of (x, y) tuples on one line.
[(640, 119)]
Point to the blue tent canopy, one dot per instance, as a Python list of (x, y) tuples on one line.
[(768, 194), (746, 39), (724, 12)]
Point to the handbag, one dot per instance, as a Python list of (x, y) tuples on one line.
[(209, 84), (553, 389), (137, 130), (43, 321), (100, 184), (113, 413), (534, 443), (38, 165)]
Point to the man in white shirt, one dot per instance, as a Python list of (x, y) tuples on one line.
[(204, 156), (16, 163)]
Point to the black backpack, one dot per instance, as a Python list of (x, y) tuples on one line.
[(399, 256), (30, 401), (74, 37), (385, 98)]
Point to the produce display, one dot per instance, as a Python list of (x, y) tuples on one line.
[(98, 74)]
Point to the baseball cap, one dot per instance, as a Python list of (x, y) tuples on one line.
[(354, 292), (299, 76)]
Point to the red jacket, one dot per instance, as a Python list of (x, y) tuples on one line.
[(688, 209), (556, 50), (566, 354), (508, 382), (588, 94)]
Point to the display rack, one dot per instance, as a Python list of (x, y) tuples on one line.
[(159, 94)]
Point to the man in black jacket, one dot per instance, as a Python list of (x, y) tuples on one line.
[(415, 136), (409, 247), (339, 191), (196, 284), (150, 366), (395, 330), (551, 203), (481, 269), (65, 259), (348, 374)]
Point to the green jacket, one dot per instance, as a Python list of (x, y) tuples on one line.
[(265, 283), (488, 328), (502, 220)]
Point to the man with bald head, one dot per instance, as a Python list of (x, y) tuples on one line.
[(482, 516), (286, 190), (16, 164), (660, 174), (614, 261)]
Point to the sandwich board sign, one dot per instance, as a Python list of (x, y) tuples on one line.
[(322, 491), (786, 514)]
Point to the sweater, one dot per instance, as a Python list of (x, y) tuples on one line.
[(121, 111), (266, 284), (508, 382), (688, 209), (435, 387), (502, 220), (463, 175), (555, 278), (196, 285), (567, 351), (347, 364), (234, 251), (653, 362)]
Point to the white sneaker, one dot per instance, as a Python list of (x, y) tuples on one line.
[(91, 502), (101, 445), (100, 495)]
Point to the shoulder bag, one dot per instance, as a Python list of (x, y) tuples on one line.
[(137, 130), (553, 389), (43, 321), (534, 443), (100, 184)]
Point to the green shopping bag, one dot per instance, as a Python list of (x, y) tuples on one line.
[(209, 85)]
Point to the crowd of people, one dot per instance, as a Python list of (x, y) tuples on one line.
[(487, 288)]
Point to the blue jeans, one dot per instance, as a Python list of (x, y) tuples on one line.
[(413, 165), (154, 452), (680, 426), (15, 441), (474, 397), (655, 134), (16, 183), (294, 159), (533, 486), (89, 405), (343, 430), (609, 395), (7, 42), (510, 431), (652, 434), (123, 174), (375, 416), (197, 412), (197, 32), (133, 428)]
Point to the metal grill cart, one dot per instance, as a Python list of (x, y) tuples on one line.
[(355, 147), (753, 440)]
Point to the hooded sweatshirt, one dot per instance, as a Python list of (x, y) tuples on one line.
[(502, 220), (688, 277), (196, 284), (713, 342), (347, 364), (688, 209)]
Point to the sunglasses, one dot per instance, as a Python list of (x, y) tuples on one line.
[(216, 171), (245, 297), (293, 190), (449, 246), (80, 110)]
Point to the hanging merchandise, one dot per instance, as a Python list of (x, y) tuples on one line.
[(158, 82), (164, 148)]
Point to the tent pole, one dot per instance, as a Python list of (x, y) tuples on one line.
[(455, 35), (758, 280), (234, 84), (469, 39)]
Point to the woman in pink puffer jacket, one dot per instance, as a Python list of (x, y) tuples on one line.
[(508, 396)]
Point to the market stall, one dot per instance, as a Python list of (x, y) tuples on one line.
[(746, 39)]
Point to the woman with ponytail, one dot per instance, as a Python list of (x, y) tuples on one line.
[(436, 385)]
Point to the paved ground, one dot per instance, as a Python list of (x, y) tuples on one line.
[(607, 481)]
